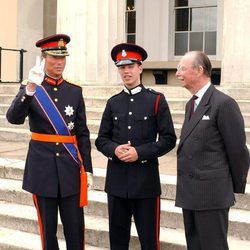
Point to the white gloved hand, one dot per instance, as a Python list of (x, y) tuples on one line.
[(36, 74), (90, 180)]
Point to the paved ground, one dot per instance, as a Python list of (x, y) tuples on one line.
[(18, 150)]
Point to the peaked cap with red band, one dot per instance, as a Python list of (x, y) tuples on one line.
[(128, 53), (54, 45)]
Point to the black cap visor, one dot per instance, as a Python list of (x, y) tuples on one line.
[(127, 61)]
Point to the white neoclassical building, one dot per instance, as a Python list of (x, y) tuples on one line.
[(165, 28)]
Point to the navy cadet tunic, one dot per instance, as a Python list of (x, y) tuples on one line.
[(49, 167), (129, 118)]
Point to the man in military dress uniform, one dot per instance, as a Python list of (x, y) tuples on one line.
[(60, 146), (131, 122)]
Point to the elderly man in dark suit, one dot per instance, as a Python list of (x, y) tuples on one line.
[(213, 159)]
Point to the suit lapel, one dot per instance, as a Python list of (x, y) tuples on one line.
[(189, 125)]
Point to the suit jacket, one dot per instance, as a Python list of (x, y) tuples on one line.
[(45, 172), (213, 159), (130, 118)]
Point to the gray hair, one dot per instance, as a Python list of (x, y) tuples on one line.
[(201, 60)]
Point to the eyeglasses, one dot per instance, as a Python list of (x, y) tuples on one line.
[(181, 68)]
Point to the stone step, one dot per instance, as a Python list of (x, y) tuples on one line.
[(10, 89), (22, 134), (174, 103), (100, 102), (236, 93), (94, 113), (171, 216), (168, 91), (96, 96), (93, 126), (14, 134), (6, 98), (11, 173), (4, 108), (23, 218), (177, 116), (11, 239)]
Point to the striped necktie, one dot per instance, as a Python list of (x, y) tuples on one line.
[(192, 105)]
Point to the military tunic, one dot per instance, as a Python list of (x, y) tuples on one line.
[(49, 168), (129, 117)]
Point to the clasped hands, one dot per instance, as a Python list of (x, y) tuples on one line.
[(126, 153)]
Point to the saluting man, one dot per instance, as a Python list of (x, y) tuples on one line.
[(131, 122), (59, 149)]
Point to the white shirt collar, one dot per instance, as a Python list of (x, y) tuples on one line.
[(133, 91), (200, 94)]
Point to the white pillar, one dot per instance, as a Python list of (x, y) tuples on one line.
[(235, 44), (94, 27)]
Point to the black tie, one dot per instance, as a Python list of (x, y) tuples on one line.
[(192, 105)]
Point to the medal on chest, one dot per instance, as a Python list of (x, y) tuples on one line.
[(69, 111)]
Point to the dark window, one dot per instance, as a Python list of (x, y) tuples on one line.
[(130, 21)]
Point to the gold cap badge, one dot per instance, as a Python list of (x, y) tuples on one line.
[(60, 42)]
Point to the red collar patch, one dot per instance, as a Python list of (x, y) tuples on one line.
[(52, 81)]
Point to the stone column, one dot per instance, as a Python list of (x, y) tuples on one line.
[(29, 30), (95, 27), (235, 44)]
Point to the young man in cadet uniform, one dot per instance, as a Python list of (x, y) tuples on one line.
[(131, 122), (59, 150)]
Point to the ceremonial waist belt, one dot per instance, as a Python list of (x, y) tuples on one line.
[(54, 138), (68, 139)]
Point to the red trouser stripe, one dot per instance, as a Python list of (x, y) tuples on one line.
[(158, 223), (39, 220)]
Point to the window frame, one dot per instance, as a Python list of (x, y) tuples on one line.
[(126, 21), (172, 23)]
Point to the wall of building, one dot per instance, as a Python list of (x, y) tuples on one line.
[(235, 43), (152, 28), (49, 17), (8, 39), (29, 30), (95, 27)]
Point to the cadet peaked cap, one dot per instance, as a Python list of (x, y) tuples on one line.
[(128, 53), (54, 45)]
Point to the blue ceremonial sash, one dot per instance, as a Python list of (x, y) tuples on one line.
[(55, 118)]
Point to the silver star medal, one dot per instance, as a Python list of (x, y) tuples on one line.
[(71, 125), (69, 110)]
